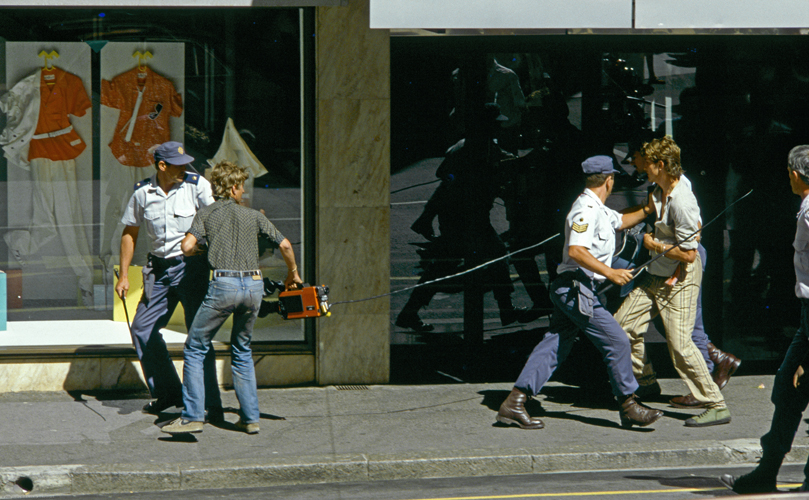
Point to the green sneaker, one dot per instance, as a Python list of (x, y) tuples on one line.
[(713, 416)]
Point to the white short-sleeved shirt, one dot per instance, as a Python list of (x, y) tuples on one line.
[(592, 225), (801, 246), (168, 216)]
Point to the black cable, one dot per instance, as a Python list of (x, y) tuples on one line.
[(637, 271), (450, 276), (415, 186)]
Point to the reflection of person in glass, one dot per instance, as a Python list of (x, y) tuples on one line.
[(470, 176), (232, 233), (39, 136), (503, 87), (790, 392), (589, 245), (671, 284), (540, 184), (166, 203)]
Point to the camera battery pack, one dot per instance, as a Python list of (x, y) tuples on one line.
[(306, 302)]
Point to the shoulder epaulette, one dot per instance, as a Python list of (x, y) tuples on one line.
[(191, 178), (144, 182)]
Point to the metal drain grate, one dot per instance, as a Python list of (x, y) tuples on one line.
[(351, 387)]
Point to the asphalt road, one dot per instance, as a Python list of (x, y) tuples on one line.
[(654, 484)]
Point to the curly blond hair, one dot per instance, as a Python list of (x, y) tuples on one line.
[(665, 150), (224, 176)]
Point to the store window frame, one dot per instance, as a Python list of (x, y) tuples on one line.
[(465, 47), (306, 257)]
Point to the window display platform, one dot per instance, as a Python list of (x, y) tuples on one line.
[(98, 355), (73, 333)]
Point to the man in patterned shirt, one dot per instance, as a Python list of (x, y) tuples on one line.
[(232, 232)]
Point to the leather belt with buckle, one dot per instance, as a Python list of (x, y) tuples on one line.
[(236, 274)]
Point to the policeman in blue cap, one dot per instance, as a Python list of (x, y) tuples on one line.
[(589, 246), (166, 204)]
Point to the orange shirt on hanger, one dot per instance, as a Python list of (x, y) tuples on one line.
[(156, 99), (61, 94)]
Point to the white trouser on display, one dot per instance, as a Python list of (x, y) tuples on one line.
[(119, 184), (57, 211)]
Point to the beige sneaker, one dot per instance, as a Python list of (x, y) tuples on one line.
[(248, 428), (182, 426)]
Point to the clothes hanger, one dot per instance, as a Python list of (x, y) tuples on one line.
[(142, 56), (47, 65)]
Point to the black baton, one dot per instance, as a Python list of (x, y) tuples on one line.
[(640, 268), (126, 312)]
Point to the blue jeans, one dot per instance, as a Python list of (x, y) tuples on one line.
[(240, 297)]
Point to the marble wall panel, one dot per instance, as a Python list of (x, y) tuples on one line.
[(86, 374), (82, 373), (354, 349), (283, 370), (353, 159), (353, 61), (121, 373), (353, 343), (274, 370), (353, 194), (354, 257), (49, 376)]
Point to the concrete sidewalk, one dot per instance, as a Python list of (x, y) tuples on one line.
[(61, 444)]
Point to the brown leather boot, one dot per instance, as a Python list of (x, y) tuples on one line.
[(725, 365), (512, 411), (634, 413)]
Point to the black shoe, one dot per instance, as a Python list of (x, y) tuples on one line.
[(215, 415), (749, 483), (161, 404), (413, 322), (650, 391), (509, 315), (534, 313)]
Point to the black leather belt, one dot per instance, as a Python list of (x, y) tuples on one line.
[(236, 274), (162, 262)]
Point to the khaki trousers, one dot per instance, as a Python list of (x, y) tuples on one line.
[(677, 306)]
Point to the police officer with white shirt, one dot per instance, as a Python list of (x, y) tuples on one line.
[(589, 246), (167, 203)]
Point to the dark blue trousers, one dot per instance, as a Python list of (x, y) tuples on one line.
[(566, 322), (163, 287), (790, 403)]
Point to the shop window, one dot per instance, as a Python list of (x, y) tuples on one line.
[(735, 105), (88, 95)]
